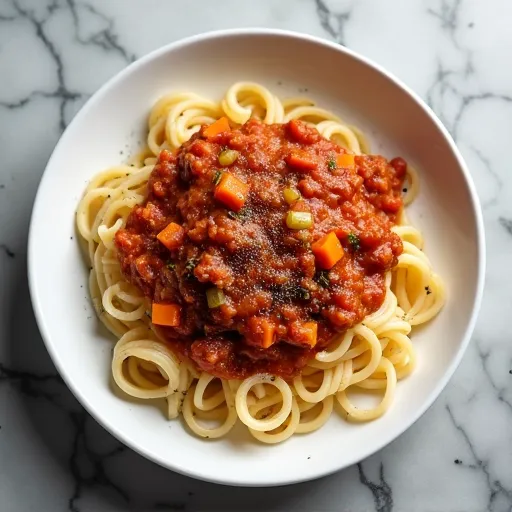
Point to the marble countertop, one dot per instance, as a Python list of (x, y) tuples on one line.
[(55, 53)]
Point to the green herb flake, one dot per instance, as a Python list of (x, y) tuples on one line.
[(303, 294), (354, 241), (331, 164), (241, 215), (190, 266), (217, 177), (323, 279), (170, 265)]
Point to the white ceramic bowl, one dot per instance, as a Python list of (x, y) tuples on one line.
[(397, 122)]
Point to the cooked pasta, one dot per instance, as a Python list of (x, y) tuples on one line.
[(371, 355)]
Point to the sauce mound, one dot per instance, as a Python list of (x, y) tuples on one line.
[(274, 292)]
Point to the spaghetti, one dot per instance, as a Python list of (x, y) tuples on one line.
[(372, 355)]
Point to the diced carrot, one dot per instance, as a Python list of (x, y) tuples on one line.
[(301, 161), (311, 331), (260, 331), (219, 126), (231, 191), (166, 314), (268, 333), (328, 250), (172, 236), (302, 333), (345, 160)]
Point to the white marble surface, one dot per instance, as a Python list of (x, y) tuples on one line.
[(55, 53)]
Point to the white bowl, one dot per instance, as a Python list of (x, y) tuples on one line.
[(113, 121)]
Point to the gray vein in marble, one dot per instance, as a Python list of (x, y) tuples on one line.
[(446, 88), (448, 14), (498, 391), (465, 102), (106, 39), (382, 492), (332, 22), (86, 465), (507, 224), (468, 100), (98, 476), (31, 384), (494, 176), (440, 85), (494, 486), (62, 92), (7, 251)]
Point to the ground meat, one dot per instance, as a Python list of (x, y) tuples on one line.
[(266, 271)]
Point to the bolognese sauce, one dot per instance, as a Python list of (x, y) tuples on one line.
[(266, 241)]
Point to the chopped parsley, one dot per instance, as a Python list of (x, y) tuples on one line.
[(190, 266), (303, 294), (217, 177), (354, 241), (323, 279), (170, 265), (331, 164), (241, 215), (289, 292)]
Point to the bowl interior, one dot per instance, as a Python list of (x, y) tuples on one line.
[(112, 125)]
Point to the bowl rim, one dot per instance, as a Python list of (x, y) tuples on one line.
[(116, 430)]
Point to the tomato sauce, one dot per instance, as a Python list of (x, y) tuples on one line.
[(274, 292)]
